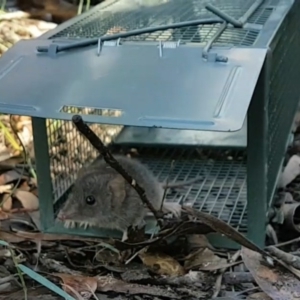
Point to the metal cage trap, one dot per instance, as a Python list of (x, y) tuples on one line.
[(212, 85)]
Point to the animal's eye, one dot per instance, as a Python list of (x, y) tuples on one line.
[(90, 200)]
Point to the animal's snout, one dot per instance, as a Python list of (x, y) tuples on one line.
[(61, 216)]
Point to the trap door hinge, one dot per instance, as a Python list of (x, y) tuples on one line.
[(167, 45), (214, 57), (112, 43)]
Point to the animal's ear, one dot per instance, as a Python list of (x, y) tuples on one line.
[(117, 187)]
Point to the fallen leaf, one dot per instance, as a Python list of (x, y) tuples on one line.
[(6, 188), (259, 296), (110, 284), (162, 264), (24, 186), (84, 286), (5, 253), (3, 215), (197, 241), (6, 202), (205, 260), (9, 176), (222, 227), (35, 217), (276, 282), (28, 200), (106, 256)]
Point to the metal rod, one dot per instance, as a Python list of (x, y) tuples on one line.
[(131, 33), (228, 19), (223, 15), (236, 23), (211, 41)]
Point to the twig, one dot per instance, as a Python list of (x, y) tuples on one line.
[(285, 243), (253, 289), (85, 130), (20, 210), (218, 283), (167, 182), (233, 278)]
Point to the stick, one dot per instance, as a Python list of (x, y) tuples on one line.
[(85, 130)]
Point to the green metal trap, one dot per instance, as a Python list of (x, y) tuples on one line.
[(218, 99)]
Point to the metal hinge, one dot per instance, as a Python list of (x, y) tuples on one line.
[(168, 45), (112, 43)]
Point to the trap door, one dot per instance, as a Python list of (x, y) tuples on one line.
[(132, 84)]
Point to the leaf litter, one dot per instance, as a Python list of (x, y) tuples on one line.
[(178, 262)]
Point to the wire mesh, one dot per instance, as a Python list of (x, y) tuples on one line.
[(284, 92), (69, 151), (221, 191), (122, 16)]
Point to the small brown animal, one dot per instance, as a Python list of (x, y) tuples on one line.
[(101, 197)]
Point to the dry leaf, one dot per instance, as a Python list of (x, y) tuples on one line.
[(205, 260), (110, 284), (7, 202), (5, 253), (28, 200), (84, 286), (6, 188), (106, 256), (278, 283), (162, 264), (259, 296), (3, 215), (35, 218), (9, 176), (197, 241)]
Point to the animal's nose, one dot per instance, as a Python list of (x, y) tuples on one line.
[(61, 216)]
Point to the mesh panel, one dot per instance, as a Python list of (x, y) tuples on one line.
[(69, 151), (115, 17), (222, 191), (284, 91)]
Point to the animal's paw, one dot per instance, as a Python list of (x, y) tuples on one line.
[(173, 208)]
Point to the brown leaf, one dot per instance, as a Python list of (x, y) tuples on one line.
[(106, 256), (277, 282), (6, 188), (28, 200), (107, 284), (3, 215), (9, 176), (197, 241), (221, 227), (162, 264), (259, 296), (205, 260), (84, 286), (7, 202)]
